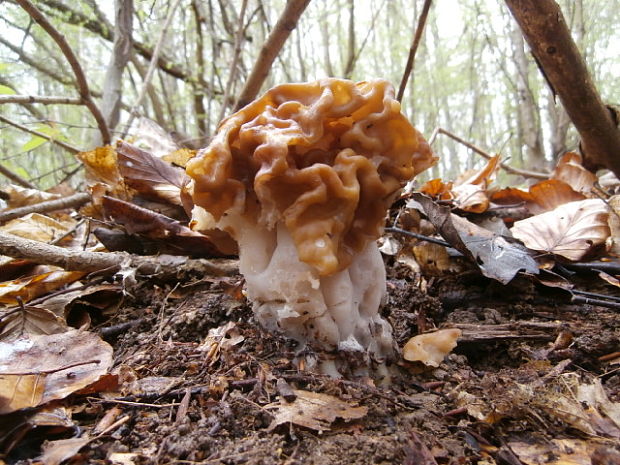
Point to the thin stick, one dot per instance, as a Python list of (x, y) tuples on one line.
[(479, 151), (72, 201), (75, 65), (152, 65), (60, 143), (232, 74), (418, 236), (25, 99), (274, 43), (414, 48), (16, 178)]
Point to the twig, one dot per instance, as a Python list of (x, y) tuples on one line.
[(418, 236), (75, 200), (75, 65), (50, 371), (608, 267), (60, 143), (479, 151), (232, 74), (595, 295), (78, 260), (26, 99), (16, 178), (414, 47), (580, 299), (152, 65), (281, 31)]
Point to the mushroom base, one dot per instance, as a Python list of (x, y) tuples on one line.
[(337, 313)]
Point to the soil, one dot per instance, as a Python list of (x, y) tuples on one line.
[(183, 401)]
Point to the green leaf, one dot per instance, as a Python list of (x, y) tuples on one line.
[(33, 143), (6, 90)]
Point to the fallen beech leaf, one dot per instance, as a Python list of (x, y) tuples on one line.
[(471, 198), (31, 287), (550, 194), (437, 189), (150, 176), (314, 410), (101, 165), (38, 227), (570, 230), (62, 363), (56, 452), (555, 452), (180, 157), (30, 320), (484, 176), (570, 170), (614, 225), (21, 196), (431, 348)]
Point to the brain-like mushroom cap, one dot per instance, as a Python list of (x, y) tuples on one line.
[(324, 157)]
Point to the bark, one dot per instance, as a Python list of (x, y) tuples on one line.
[(109, 262), (283, 28), (548, 36), (528, 118), (121, 52)]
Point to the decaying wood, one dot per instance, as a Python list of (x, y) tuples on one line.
[(548, 35), (414, 47), (72, 201), (518, 330), (111, 262), (479, 151), (80, 77), (283, 28)]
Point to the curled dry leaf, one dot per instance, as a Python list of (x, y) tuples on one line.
[(570, 230), (32, 287), (38, 227), (431, 348), (29, 320), (570, 170), (554, 452), (39, 369), (314, 410), (614, 225), (471, 198), (541, 197), (22, 196), (56, 452), (101, 165)]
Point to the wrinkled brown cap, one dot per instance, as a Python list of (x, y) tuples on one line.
[(324, 157)]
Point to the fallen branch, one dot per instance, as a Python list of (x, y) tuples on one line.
[(72, 201), (111, 262), (479, 151), (82, 84), (16, 178), (414, 47), (60, 143), (25, 99), (283, 28), (548, 35)]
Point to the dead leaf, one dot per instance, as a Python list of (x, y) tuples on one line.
[(22, 196), (180, 157), (555, 452), (38, 227), (314, 410), (550, 194), (437, 189), (101, 165), (571, 230), (150, 176), (38, 369), (56, 452), (471, 198), (570, 170), (29, 320), (614, 225), (431, 348), (31, 287)]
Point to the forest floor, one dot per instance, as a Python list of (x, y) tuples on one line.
[(531, 381)]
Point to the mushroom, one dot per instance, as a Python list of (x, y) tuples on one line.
[(302, 178)]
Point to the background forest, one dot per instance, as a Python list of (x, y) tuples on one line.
[(473, 75)]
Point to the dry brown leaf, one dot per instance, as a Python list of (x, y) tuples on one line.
[(471, 198), (437, 189), (484, 176), (550, 194), (614, 225), (29, 320), (571, 230), (555, 452), (32, 287), (433, 259), (180, 157), (570, 170), (56, 452), (38, 227), (101, 165), (150, 176), (431, 348), (62, 363), (511, 196), (314, 410), (22, 196)]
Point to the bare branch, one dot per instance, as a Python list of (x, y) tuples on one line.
[(79, 260), (75, 65), (233, 66), (479, 151), (549, 37), (76, 200), (283, 28), (414, 48), (26, 99), (150, 72), (16, 178), (60, 143)]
